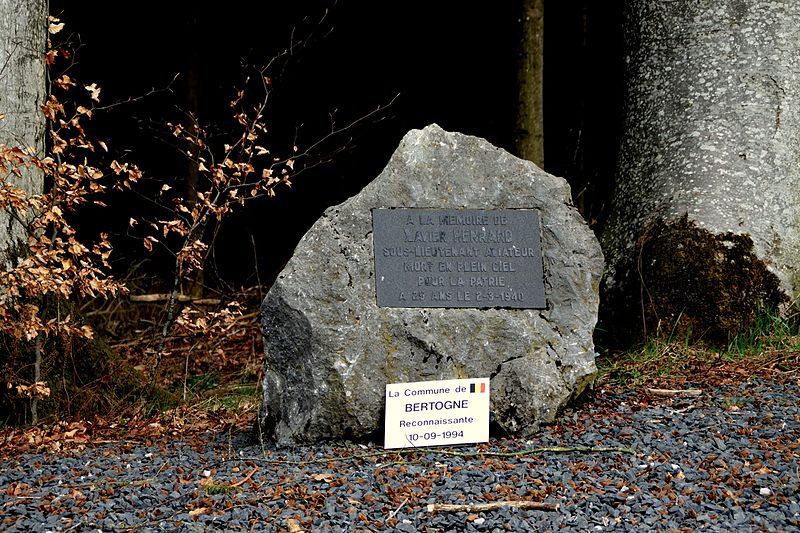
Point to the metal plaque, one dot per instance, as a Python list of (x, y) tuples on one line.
[(458, 258)]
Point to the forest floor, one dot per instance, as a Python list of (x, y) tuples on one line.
[(215, 380), (211, 382), (671, 437)]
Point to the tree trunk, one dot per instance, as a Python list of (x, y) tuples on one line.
[(23, 35), (530, 117), (196, 280), (705, 226)]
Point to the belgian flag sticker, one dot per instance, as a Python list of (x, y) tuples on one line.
[(481, 387)]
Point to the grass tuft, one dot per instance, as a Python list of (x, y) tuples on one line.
[(769, 332), (212, 488), (771, 345)]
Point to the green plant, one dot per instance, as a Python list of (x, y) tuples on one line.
[(213, 487), (769, 331), (237, 397), (637, 366), (202, 382), (734, 402)]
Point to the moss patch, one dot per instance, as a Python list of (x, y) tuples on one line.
[(702, 285)]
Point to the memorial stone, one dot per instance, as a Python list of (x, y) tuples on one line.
[(335, 335)]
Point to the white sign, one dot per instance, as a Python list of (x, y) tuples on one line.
[(437, 413)]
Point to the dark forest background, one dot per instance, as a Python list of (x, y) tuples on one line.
[(448, 62)]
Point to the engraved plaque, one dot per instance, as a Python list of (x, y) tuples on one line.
[(458, 258)]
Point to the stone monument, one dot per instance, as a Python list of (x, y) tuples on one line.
[(485, 270)]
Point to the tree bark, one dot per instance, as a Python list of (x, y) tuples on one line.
[(530, 116), (23, 36), (705, 224)]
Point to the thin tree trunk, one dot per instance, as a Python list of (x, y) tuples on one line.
[(195, 282), (37, 375), (530, 117)]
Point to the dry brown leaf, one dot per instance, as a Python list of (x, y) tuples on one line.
[(94, 91), (54, 28), (18, 488)]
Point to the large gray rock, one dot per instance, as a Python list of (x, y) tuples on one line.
[(330, 350), (705, 225)]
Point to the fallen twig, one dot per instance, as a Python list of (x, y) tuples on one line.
[(669, 393), (156, 298), (391, 515), (245, 479), (492, 506)]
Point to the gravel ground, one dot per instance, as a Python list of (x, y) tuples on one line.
[(726, 461)]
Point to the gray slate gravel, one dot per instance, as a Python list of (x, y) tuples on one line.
[(726, 461)]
